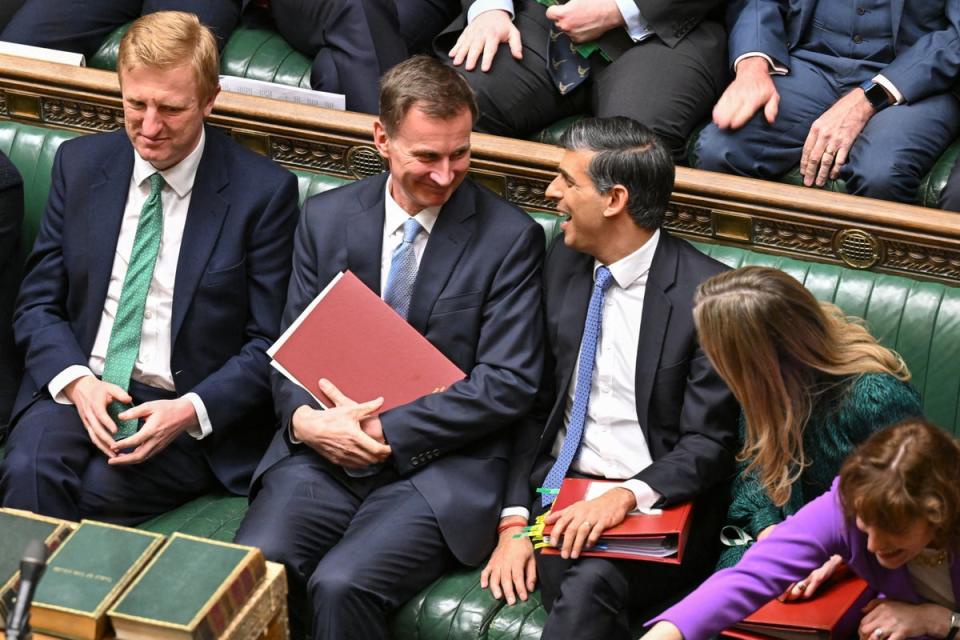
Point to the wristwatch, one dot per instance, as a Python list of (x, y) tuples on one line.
[(876, 95), (954, 625)]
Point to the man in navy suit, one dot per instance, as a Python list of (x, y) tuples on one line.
[(156, 281), (854, 90), (365, 509), (650, 412), (11, 262)]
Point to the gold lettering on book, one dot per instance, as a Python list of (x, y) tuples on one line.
[(82, 574)]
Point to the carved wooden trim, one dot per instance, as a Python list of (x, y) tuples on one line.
[(782, 219)]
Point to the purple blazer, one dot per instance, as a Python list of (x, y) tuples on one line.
[(796, 547)]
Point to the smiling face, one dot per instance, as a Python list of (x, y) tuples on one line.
[(428, 157), (579, 200), (163, 112), (893, 550)]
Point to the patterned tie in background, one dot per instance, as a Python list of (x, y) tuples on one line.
[(124, 342), (566, 67), (581, 393), (403, 270)]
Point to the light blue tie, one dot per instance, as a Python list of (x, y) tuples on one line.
[(581, 393), (403, 270)]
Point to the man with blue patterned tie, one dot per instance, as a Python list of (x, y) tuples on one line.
[(627, 393), (365, 509)]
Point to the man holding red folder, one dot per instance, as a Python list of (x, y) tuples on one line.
[(365, 509), (627, 393)]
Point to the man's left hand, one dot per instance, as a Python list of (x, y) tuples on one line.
[(831, 137), (586, 20), (164, 421), (580, 525)]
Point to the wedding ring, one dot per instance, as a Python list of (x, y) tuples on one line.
[(801, 586), (878, 633), (585, 523)]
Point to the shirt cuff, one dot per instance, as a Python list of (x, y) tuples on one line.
[(202, 417), (482, 6), (637, 28), (886, 84), (515, 511), (775, 69), (644, 494), (64, 378)]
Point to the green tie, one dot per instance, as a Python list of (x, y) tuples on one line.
[(127, 325)]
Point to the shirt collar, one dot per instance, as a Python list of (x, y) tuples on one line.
[(395, 216), (629, 268), (180, 176)]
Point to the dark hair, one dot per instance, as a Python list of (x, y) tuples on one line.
[(435, 88), (903, 474), (629, 154)]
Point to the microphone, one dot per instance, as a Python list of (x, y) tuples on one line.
[(32, 564)]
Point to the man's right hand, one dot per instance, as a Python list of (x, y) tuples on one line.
[(511, 571), (482, 37), (752, 89), (91, 396), (336, 433)]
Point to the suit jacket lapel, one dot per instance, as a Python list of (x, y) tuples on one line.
[(365, 234), (448, 239), (108, 201), (653, 325), (206, 214)]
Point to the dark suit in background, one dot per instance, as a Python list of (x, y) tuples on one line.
[(364, 545), (353, 42), (232, 271), (668, 82), (688, 417), (7, 9), (11, 260), (82, 26)]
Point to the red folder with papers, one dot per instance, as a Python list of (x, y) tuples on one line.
[(351, 337)]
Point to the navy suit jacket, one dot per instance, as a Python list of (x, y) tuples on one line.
[(232, 272), (687, 413), (926, 36), (477, 299)]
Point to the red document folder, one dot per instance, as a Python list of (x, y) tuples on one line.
[(351, 337), (669, 526), (834, 613)]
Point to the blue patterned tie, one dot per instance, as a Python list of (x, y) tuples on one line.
[(403, 270), (581, 393), (567, 68)]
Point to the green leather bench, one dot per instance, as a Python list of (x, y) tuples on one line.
[(921, 320)]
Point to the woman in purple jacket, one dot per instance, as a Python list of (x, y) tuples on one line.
[(893, 515)]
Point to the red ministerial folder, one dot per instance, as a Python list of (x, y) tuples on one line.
[(833, 614), (666, 530), (351, 337)]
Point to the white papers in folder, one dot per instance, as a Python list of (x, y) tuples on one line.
[(42, 53), (297, 95)]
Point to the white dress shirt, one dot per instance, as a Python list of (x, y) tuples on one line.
[(637, 28), (152, 366), (613, 445)]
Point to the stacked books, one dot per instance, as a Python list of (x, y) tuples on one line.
[(104, 581)]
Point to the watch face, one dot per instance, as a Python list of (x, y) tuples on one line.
[(877, 96)]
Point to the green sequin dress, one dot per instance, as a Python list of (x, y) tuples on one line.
[(844, 415)]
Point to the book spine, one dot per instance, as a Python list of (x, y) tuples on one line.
[(232, 600)]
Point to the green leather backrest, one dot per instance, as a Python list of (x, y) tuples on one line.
[(920, 320)]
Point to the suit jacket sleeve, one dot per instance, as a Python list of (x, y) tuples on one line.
[(932, 64), (796, 547), (758, 26), (242, 383), (41, 322), (501, 386), (671, 21)]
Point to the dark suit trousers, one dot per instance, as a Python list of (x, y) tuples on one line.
[(52, 468), (82, 25), (354, 548), (670, 90), (11, 270), (950, 197)]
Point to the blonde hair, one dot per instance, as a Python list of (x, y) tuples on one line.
[(904, 474), (773, 343), (169, 39)]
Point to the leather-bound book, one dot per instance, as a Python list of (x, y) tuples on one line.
[(17, 529), (351, 337), (86, 575), (193, 589)]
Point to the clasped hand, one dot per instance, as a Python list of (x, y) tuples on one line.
[(164, 420), (580, 525), (348, 434)]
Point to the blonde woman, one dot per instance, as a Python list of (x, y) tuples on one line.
[(812, 383)]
